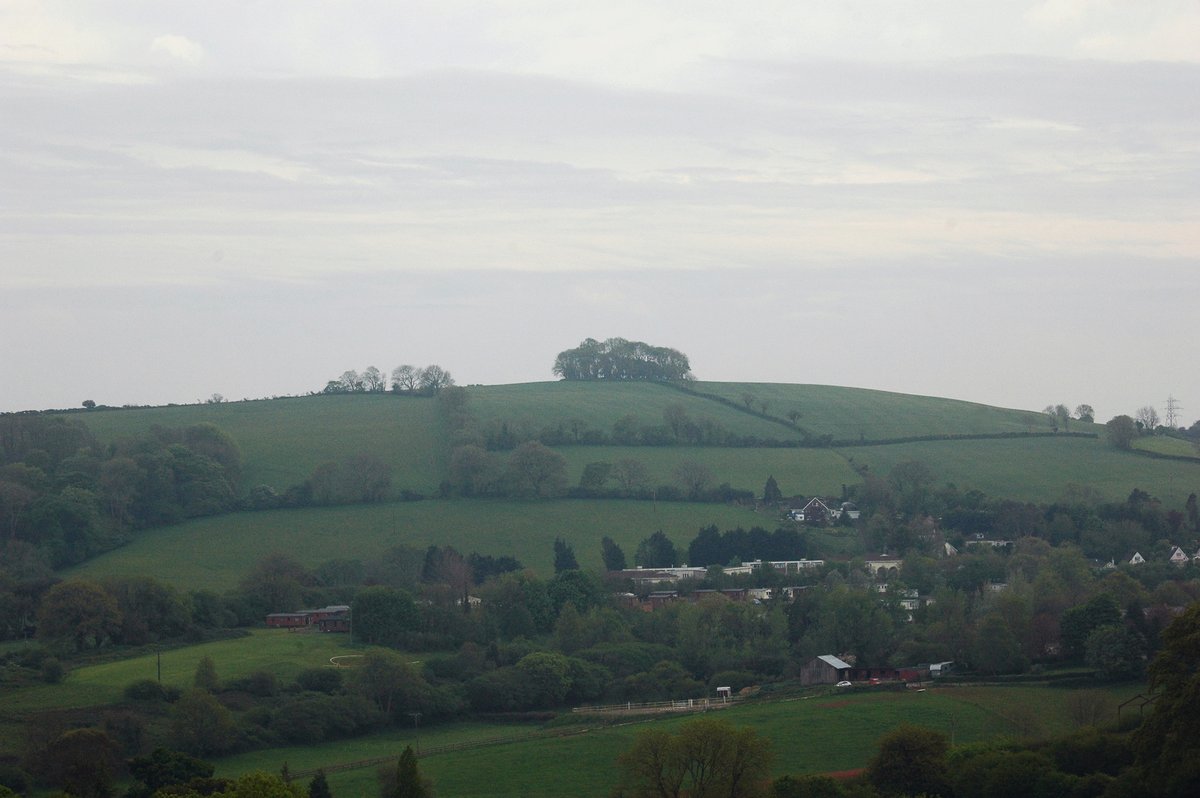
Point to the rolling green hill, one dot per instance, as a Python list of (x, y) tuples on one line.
[(283, 440)]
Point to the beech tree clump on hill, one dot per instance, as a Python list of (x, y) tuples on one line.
[(619, 359)]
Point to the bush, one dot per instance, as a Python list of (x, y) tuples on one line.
[(145, 690), (259, 683), (319, 680), (52, 671)]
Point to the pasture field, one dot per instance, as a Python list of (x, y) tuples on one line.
[(1038, 469), (583, 764), (283, 440), (851, 413), (804, 472), (215, 553), (277, 651), (536, 405), (1161, 444)]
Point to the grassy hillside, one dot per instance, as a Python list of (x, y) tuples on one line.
[(582, 764), (1161, 444), (534, 406), (273, 650), (283, 440), (1038, 469), (798, 471), (853, 413), (216, 552)]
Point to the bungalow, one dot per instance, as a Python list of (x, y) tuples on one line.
[(648, 577), (785, 566), (660, 598), (825, 669), (1178, 558), (1137, 559), (939, 669), (817, 511), (327, 612), (287, 620), (339, 622)]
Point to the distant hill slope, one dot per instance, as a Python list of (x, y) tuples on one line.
[(853, 413), (283, 440)]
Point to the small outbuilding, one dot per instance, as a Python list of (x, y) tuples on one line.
[(825, 669)]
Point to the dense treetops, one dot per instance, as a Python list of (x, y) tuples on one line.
[(619, 359)]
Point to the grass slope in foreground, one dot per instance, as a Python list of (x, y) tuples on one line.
[(215, 552), (283, 440), (584, 764)]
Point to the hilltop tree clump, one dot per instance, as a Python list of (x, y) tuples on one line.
[(619, 359)]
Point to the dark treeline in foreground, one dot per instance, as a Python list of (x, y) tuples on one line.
[(65, 498)]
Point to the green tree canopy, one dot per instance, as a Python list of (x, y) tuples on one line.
[(707, 758), (619, 359), (911, 761)]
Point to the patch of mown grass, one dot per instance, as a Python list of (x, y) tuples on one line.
[(215, 553)]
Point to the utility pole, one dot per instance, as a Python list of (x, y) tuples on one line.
[(416, 716), (1173, 408)]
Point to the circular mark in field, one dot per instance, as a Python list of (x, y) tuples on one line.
[(340, 660)]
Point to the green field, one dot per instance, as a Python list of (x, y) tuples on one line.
[(804, 472), (1161, 444), (853, 413), (283, 440), (582, 764), (534, 406), (275, 650), (1039, 469), (216, 552)]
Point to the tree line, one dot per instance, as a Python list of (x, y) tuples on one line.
[(65, 498), (405, 379)]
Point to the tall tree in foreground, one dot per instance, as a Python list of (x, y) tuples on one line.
[(1167, 745), (405, 781), (911, 761), (708, 758), (564, 557), (613, 556)]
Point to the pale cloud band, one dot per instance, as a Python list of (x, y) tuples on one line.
[(844, 152)]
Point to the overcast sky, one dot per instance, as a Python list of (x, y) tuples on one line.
[(991, 201)]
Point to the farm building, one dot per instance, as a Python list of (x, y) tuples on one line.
[(825, 669), (339, 622), (287, 620)]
